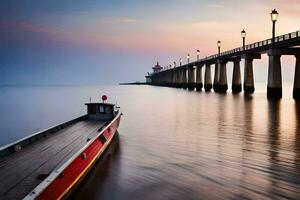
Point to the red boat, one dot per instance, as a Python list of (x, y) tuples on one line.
[(49, 164)]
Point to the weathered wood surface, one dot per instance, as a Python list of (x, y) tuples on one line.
[(21, 172)]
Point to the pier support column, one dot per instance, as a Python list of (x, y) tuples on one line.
[(163, 79), (174, 74), (248, 72), (274, 90), (158, 82), (216, 77), (199, 83), (296, 89), (171, 79), (177, 84), (191, 78), (207, 78), (168, 79), (223, 86), (184, 79), (181, 79), (236, 77)]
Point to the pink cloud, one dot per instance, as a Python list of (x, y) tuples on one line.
[(125, 20), (8, 25)]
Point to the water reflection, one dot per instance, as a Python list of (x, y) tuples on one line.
[(274, 128), (177, 144), (274, 144), (297, 137)]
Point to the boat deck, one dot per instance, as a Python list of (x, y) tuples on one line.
[(22, 171)]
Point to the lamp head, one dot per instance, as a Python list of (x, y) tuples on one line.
[(243, 33), (274, 15), (219, 43)]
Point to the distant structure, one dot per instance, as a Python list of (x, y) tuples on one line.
[(157, 68)]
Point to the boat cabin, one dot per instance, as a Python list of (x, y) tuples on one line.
[(100, 111)]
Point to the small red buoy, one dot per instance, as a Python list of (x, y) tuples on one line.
[(104, 98)]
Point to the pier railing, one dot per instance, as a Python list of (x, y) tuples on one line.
[(249, 48)]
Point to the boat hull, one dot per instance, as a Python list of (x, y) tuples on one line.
[(76, 169)]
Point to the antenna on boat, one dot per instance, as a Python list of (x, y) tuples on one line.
[(90, 99)]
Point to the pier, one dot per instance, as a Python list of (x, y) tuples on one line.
[(190, 75)]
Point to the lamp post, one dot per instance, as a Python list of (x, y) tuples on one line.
[(180, 61), (174, 64), (274, 16), (188, 58), (198, 54), (219, 47), (243, 33)]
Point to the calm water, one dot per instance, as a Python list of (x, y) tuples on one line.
[(175, 144)]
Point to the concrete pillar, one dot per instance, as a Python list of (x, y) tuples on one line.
[(184, 79), (199, 83), (170, 82), (157, 82), (181, 78), (176, 78), (191, 78), (173, 78), (296, 89), (248, 75), (165, 79), (162, 79), (223, 86), (274, 90), (216, 77), (174, 81), (169, 78), (236, 77), (207, 78)]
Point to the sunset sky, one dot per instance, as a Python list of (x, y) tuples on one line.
[(106, 42)]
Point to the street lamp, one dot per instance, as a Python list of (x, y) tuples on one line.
[(174, 64), (198, 54), (243, 33), (274, 16), (180, 61), (188, 58), (219, 47)]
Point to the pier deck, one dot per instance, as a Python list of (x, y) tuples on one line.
[(22, 171)]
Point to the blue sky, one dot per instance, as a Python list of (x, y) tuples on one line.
[(106, 42)]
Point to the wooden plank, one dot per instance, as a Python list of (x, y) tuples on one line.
[(47, 156), (56, 144), (40, 143), (32, 157), (19, 173)]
